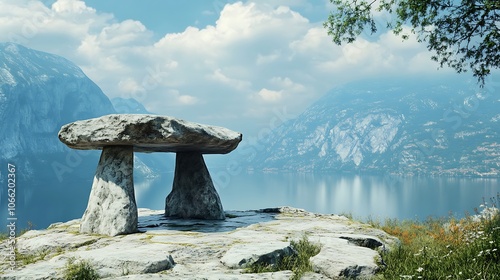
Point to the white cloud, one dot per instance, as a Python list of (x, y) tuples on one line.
[(72, 7), (265, 59), (257, 55), (287, 84), (124, 33), (218, 76), (270, 95), (129, 85), (359, 51), (187, 99)]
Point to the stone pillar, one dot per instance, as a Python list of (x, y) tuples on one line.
[(111, 209), (193, 193)]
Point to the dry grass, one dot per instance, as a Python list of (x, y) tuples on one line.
[(467, 248)]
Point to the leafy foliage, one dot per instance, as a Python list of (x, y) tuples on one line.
[(463, 34)]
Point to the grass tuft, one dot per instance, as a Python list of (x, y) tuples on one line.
[(79, 270), (3, 236), (28, 228), (28, 258)]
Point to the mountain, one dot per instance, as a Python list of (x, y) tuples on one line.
[(40, 92), (399, 126), (128, 106)]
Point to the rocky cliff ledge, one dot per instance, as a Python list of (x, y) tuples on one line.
[(198, 249)]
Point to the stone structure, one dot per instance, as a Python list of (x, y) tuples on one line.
[(112, 208), (193, 193)]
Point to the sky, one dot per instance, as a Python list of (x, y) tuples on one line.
[(245, 65)]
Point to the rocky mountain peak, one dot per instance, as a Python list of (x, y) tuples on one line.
[(433, 127), (19, 64)]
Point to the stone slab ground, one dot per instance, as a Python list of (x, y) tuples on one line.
[(203, 249)]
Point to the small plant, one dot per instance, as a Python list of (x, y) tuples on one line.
[(28, 228), (298, 262), (79, 270), (347, 215), (59, 251)]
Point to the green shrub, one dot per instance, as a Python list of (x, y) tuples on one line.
[(79, 270), (298, 263)]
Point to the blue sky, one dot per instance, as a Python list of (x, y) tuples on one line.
[(167, 16), (162, 16), (239, 64)]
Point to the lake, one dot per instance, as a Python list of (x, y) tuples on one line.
[(362, 196)]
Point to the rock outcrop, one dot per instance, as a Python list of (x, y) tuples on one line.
[(112, 208), (149, 133), (168, 248)]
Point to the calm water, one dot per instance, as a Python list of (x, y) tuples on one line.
[(362, 196)]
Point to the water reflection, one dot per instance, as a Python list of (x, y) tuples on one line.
[(362, 196)]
